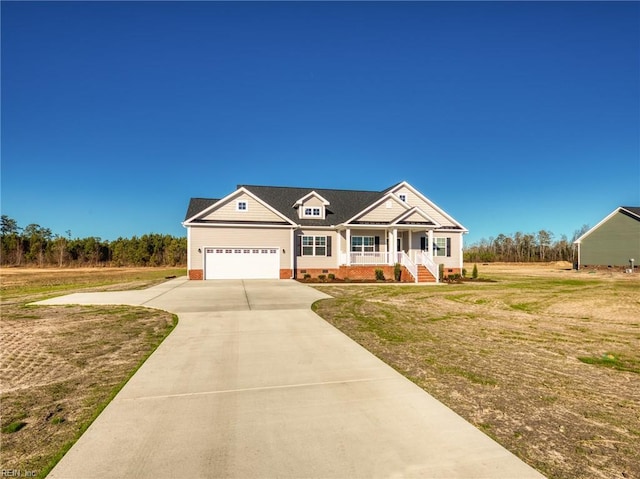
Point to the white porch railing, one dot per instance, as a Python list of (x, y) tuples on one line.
[(424, 259), (386, 258), (370, 258), (405, 261)]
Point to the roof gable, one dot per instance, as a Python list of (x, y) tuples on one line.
[(630, 211), (415, 216), (224, 210), (310, 195), (384, 210), (415, 198)]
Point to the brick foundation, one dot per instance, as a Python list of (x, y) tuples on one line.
[(286, 273), (369, 272), (315, 272), (451, 271), (196, 274), (355, 272)]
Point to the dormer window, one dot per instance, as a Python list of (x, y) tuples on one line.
[(403, 197), (313, 212), (242, 206), (312, 205)]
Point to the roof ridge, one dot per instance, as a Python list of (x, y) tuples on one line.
[(311, 188)]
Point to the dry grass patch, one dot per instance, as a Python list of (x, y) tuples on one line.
[(61, 365), (546, 361)]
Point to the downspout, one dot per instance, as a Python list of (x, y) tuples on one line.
[(292, 253), (461, 253), (188, 249)]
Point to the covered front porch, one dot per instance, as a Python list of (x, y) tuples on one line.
[(412, 247)]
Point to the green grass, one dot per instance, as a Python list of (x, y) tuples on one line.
[(526, 307), (15, 426), (612, 360)]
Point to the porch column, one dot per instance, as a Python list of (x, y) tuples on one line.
[(389, 243), (292, 253), (394, 244), (430, 246), (339, 247), (348, 238)]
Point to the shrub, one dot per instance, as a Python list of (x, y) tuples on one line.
[(441, 271), (474, 273), (322, 277), (332, 276), (307, 276), (379, 275), (397, 271), (13, 427), (464, 272)]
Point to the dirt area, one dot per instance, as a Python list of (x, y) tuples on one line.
[(60, 366), (546, 360)]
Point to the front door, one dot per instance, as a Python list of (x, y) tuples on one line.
[(399, 244)]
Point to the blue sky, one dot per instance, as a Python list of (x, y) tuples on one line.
[(512, 116)]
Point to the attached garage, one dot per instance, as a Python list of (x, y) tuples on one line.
[(242, 263)]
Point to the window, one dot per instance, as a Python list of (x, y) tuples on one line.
[(241, 206), (309, 211), (403, 198), (442, 247), (363, 244), (315, 246)]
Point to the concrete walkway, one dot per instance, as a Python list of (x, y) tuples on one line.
[(252, 384)]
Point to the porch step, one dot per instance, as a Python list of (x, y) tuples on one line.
[(424, 275)]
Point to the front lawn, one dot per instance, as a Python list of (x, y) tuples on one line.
[(548, 364)]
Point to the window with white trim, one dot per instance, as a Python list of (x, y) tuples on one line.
[(314, 212), (440, 247), (314, 246), (363, 244), (242, 206)]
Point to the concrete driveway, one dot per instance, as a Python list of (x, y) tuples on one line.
[(252, 384)]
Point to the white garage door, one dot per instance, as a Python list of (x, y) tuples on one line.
[(242, 263)]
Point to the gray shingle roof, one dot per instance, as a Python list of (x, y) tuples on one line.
[(196, 205), (344, 204)]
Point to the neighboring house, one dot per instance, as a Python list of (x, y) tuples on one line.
[(615, 241), (284, 232)]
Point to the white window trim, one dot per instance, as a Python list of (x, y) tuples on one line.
[(242, 202), (362, 246), (314, 245), (439, 251), (314, 209)]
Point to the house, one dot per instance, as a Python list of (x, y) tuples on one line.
[(615, 241), (285, 232)]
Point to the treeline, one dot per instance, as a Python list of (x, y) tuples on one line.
[(524, 247), (35, 245)]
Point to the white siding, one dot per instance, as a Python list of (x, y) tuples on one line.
[(385, 212), (255, 211)]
